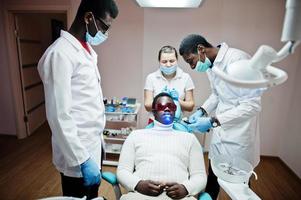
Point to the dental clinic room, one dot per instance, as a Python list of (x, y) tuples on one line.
[(150, 99)]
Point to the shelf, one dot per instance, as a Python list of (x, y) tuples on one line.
[(110, 162), (118, 126), (113, 152), (111, 159), (113, 148), (136, 106), (120, 135), (115, 138), (121, 118)]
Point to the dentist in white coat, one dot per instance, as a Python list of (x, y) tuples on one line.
[(236, 121), (74, 100)]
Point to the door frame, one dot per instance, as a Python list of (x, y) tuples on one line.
[(13, 63)]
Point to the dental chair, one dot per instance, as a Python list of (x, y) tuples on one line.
[(111, 178)]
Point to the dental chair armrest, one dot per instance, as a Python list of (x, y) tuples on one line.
[(204, 196), (110, 177)]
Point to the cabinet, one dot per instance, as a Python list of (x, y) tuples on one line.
[(119, 125)]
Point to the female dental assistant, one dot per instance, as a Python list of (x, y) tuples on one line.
[(74, 100), (169, 76), (236, 109)]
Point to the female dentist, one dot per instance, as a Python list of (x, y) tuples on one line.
[(169, 78)]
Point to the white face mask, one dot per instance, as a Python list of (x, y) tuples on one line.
[(98, 38)]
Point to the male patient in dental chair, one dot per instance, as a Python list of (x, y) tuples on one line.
[(161, 162)]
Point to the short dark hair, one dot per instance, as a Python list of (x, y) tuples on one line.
[(99, 8), (162, 94), (190, 44), (167, 49)]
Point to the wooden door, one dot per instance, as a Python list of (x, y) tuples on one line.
[(29, 52)]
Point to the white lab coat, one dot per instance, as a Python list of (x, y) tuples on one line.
[(237, 109), (182, 82), (74, 103)]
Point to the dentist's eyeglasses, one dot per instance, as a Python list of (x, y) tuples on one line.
[(104, 26)]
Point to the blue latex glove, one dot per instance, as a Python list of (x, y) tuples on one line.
[(193, 118), (202, 124), (91, 172), (174, 94)]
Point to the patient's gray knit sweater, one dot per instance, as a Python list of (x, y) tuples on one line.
[(162, 154)]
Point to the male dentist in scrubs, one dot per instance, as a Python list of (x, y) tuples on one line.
[(236, 122), (74, 100)]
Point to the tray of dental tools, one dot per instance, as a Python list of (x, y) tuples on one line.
[(232, 169)]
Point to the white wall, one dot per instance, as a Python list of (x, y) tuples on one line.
[(290, 137), (137, 34), (120, 57)]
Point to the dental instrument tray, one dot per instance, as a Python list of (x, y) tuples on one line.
[(232, 169)]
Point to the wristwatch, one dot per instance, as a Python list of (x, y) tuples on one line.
[(204, 111), (214, 122)]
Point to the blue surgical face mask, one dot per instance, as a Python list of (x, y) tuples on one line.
[(203, 66), (168, 70), (98, 38)]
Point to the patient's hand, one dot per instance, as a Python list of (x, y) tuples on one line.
[(150, 188), (175, 190)]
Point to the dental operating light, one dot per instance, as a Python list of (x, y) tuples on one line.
[(169, 3), (258, 72)]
